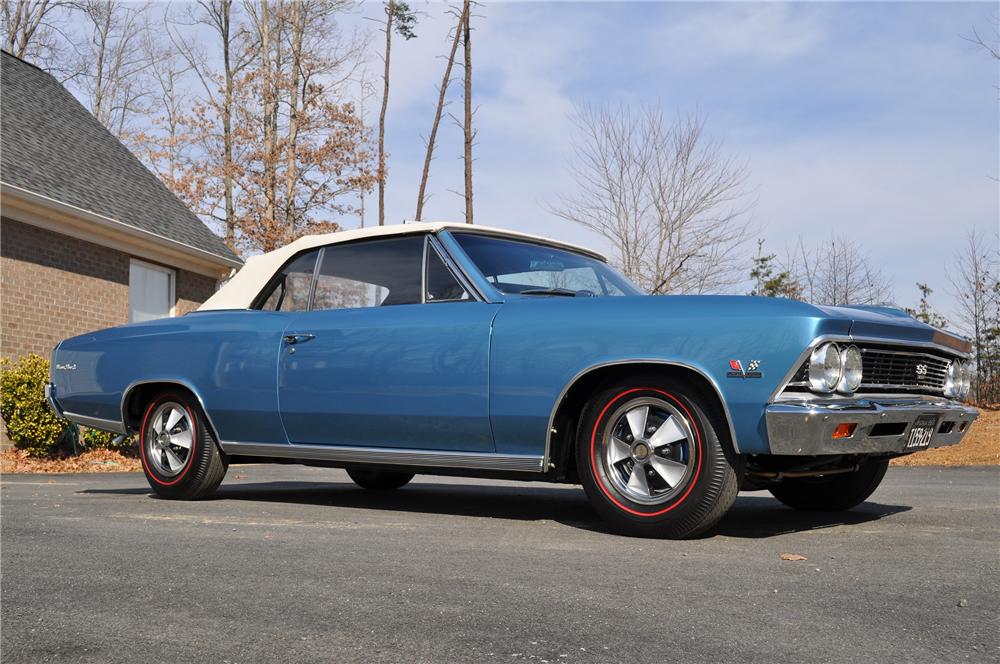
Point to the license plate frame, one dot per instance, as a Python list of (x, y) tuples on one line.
[(921, 432)]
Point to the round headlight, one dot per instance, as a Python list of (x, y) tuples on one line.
[(850, 381), (825, 368), (966, 379), (954, 380)]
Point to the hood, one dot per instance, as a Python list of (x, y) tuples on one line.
[(876, 322)]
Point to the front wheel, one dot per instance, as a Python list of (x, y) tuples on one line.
[(831, 493), (179, 456), (651, 459)]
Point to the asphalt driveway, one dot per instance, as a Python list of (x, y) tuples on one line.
[(295, 564)]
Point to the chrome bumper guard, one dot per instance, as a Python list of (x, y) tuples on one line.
[(50, 398), (806, 427)]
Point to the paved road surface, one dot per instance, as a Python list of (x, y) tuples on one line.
[(295, 564)]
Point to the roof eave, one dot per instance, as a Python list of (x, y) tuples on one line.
[(222, 264)]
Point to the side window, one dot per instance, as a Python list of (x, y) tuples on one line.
[(372, 273), (442, 286), (290, 290)]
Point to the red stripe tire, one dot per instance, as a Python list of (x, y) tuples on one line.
[(654, 458), (179, 455)]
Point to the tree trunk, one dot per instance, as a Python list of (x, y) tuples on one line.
[(421, 196), (269, 114), (291, 158), (468, 113), (225, 18), (389, 11)]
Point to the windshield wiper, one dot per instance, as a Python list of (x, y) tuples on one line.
[(565, 292)]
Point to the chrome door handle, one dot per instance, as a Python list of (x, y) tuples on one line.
[(292, 339)]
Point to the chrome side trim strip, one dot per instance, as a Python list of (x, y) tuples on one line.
[(95, 422), (670, 363), (169, 381), (390, 456)]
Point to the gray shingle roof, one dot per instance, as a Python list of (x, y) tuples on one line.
[(51, 145)]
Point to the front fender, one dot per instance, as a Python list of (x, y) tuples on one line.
[(540, 347)]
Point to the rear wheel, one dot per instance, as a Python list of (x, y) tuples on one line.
[(179, 455), (378, 480), (831, 493), (650, 458)]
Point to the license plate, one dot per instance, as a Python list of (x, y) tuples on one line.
[(921, 432)]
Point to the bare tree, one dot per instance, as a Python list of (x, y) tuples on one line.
[(991, 42), (218, 86), (398, 18), (442, 90), (467, 125), (975, 283), (838, 271), (303, 148), (113, 64), (666, 196), (30, 33), (162, 144)]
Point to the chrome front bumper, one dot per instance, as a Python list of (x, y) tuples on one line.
[(806, 427)]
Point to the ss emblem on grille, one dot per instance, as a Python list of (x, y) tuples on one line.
[(921, 369)]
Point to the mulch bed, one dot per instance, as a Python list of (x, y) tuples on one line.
[(96, 461)]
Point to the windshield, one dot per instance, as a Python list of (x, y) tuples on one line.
[(526, 268)]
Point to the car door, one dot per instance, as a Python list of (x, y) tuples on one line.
[(393, 351)]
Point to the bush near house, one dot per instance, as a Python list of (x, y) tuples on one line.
[(31, 425)]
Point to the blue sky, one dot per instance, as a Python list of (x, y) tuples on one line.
[(875, 120)]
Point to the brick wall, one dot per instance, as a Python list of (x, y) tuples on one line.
[(53, 286)]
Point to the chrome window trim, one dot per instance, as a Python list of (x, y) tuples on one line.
[(601, 365), (391, 456), (431, 244), (456, 268), (841, 338)]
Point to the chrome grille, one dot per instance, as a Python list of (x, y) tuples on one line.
[(903, 369), (887, 369)]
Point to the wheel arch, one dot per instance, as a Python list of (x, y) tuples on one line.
[(138, 394), (561, 433)]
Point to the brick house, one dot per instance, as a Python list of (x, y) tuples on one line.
[(89, 237)]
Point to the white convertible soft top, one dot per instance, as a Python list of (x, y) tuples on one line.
[(243, 287)]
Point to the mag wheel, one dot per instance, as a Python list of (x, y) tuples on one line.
[(378, 480), (650, 458), (179, 456), (831, 493)]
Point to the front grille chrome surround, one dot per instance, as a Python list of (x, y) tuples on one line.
[(891, 369)]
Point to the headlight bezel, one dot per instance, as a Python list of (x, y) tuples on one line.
[(966, 386), (852, 376), (953, 379), (820, 377)]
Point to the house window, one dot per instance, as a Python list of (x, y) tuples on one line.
[(150, 291)]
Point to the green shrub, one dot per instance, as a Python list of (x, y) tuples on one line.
[(31, 425), (95, 439)]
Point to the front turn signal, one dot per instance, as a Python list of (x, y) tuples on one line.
[(845, 430)]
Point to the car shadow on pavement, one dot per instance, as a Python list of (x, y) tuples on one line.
[(760, 516), (752, 516)]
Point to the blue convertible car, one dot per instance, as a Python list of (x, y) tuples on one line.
[(454, 349)]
